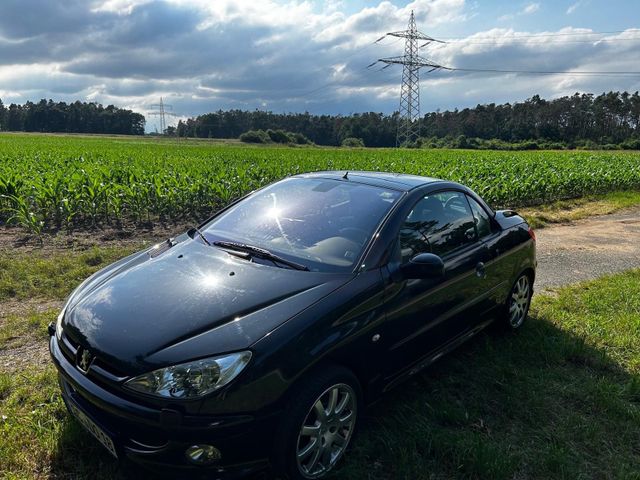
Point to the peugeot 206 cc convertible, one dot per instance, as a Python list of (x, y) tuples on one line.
[(257, 338)]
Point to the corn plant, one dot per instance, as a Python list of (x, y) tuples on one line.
[(55, 182)]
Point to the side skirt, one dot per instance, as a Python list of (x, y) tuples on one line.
[(430, 358)]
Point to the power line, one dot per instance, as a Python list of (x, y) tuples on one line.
[(422, 62), (543, 72), (313, 92), (507, 41), (541, 35)]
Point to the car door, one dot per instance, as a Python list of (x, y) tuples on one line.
[(496, 266), (422, 315)]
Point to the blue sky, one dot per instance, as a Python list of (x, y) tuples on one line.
[(293, 56)]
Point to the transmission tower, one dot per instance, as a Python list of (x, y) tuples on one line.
[(160, 111), (412, 62)]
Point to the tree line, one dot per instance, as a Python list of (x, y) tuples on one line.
[(578, 120), (76, 117), (581, 120)]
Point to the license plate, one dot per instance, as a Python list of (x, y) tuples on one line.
[(94, 429)]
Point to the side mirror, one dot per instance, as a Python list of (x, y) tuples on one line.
[(424, 265)]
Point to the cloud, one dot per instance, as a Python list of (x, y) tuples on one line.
[(289, 55), (573, 7), (526, 10)]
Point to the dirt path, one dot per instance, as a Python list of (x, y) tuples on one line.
[(588, 248)]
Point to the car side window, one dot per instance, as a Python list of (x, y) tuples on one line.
[(481, 217), (439, 223)]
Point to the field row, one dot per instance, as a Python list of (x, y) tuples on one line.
[(53, 182)]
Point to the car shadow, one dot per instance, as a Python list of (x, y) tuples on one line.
[(537, 403)]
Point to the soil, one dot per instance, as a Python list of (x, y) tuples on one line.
[(30, 351), (588, 249), (14, 238)]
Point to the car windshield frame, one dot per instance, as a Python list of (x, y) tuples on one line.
[(385, 200)]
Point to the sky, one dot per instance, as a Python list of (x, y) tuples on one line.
[(296, 56)]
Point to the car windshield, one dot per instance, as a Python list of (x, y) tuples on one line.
[(323, 224)]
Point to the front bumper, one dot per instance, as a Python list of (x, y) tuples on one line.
[(157, 439)]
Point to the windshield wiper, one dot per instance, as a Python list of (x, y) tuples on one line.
[(260, 253), (201, 235)]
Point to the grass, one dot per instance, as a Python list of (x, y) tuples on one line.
[(20, 329), (41, 274), (38, 439), (560, 399), (563, 211)]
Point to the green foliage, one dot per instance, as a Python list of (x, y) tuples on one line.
[(273, 136), (255, 136), (299, 139), (76, 117), (39, 439), (475, 143), (40, 275), (278, 136), (53, 182), (610, 118), (352, 142), (563, 211), (631, 144)]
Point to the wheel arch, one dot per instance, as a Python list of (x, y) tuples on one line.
[(329, 362)]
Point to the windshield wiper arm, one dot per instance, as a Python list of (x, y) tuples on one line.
[(201, 235), (260, 253)]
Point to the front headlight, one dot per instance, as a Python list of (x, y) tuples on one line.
[(192, 379)]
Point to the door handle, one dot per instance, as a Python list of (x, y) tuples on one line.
[(480, 270)]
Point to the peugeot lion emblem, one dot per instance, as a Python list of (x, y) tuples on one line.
[(84, 360)]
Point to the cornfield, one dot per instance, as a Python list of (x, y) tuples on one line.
[(63, 182)]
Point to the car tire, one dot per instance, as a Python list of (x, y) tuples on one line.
[(319, 423), (518, 302)]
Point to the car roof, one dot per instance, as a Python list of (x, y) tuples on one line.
[(396, 181)]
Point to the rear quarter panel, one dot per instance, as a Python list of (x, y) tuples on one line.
[(514, 251)]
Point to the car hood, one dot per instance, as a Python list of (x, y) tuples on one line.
[(188, 302)]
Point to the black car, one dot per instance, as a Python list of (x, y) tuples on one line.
[(257, 338)]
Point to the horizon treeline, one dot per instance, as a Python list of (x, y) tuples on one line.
[(77, 117), (609, 118)]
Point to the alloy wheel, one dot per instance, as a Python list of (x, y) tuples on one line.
[(519, 302), (326, 431)]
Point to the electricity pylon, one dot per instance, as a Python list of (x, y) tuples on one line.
[(161, 111), (412, 62)]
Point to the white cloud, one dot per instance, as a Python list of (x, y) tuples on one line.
[(526, 10), (572, 8), (290, 55), (122, 7)]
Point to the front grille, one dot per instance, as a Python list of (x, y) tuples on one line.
[(100, 371), (69, 348)]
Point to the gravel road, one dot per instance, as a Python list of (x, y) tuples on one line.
[(588, 248)]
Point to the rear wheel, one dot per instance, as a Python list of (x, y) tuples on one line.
[(320, 423), (518, 302)]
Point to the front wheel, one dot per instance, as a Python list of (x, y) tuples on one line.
[(320, 423), (518, 302)]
